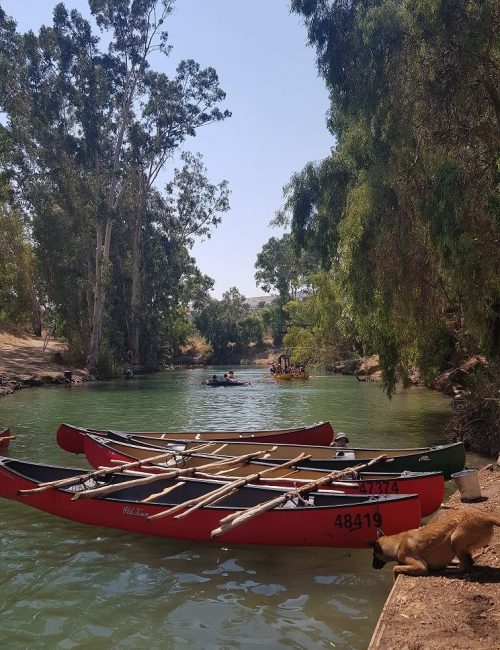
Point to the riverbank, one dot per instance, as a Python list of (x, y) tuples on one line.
[(27, 360), (440, 612)]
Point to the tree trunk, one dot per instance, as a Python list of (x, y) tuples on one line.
[(102, 251), (133, 77), (136, 287), (101, 260), (36, 311)]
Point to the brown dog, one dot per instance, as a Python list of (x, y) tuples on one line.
[(455, 534)]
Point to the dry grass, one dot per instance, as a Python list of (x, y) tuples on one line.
[(22, 354)]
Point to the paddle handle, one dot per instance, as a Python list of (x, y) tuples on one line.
[(151, 478), (224, 490), (236, 519)]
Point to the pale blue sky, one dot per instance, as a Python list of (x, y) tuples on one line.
[(278, 124)]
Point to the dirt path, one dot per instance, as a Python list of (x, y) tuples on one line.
[(24, 362), (448, 612)]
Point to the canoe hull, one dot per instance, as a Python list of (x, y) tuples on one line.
[(430, 487), (448, 458), (348, 525), (70, 437)]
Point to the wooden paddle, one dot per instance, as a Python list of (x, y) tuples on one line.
[(235, 485), (238, 518), (187, 471), (223, 490), (167, 490), (217, 451), (74, 480), (7, 438)]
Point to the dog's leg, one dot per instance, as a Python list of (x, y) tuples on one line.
[(466, 561), (462, 547), (412, 567)]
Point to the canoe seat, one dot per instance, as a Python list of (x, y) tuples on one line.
[(348, 455)]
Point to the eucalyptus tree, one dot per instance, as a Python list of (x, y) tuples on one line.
[(282, 267), (89, 125), (31, 96), (58, 99), (18, 300), (159, 112), (170, 282), (227, 325), (190, 207)]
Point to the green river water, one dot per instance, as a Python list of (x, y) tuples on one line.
[(66, 585)]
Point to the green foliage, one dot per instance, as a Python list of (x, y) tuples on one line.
[(478, 420), (302, 343), (90, 125), (251, 330), (405, 210), (318, 331), (274, 320), (193, 204), (282, 268), (227, 325), (16, 267)]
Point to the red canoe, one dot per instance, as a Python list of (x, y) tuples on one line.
[(322, 519), (5, 438), (429, 486), (70, 438), (446, 458)]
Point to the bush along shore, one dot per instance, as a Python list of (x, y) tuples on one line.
[(474, 387)]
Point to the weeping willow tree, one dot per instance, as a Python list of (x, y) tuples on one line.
[(317, 333), (405, 211)]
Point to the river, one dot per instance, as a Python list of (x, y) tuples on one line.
[(66, 585)]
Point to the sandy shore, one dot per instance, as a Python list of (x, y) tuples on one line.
[(27, 360)]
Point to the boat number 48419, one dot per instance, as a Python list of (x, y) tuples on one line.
[(355, 522)]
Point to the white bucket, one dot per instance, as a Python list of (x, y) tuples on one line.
[(467, 482)]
